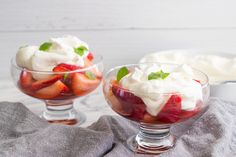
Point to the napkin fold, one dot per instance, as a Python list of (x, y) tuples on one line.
[(23, 134)]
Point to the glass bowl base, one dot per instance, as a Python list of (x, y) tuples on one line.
[(150, 146), (68, 116)]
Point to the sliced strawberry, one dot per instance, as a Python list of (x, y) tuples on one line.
[(187, 114), (45, 82), (130, 102), (149, 118), (138, 111), (87, 62), (197, 81), (125, 95), (170, 113), (26, 79), (90, 56), (51, 91), (82, 85), (117, 105), (65, 67), (59, 69)]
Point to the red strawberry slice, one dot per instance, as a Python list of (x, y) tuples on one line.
[(149, 118), (170, 113), (138, 112), (45, 82), (82, 85), (26, 79), (187, 114), (125, 95), (87, 62), (51, 91), (131, 103), (117, 105), (90, 56), (65, 67), (197, 81)]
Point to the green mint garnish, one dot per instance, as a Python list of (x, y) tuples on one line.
[(90, 75), (45, 46), (121, 73), (65, 76), (80, 50), (158, 75)]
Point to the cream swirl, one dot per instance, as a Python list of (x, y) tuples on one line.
[(62, 50), (219, 68), (155, 93)]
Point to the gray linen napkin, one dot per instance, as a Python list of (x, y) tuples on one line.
[(23, 134)]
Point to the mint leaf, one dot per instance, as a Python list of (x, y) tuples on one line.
[(90, 75), (45, 46), (121, 73), (80, 50), (65, 76), (158, 75)]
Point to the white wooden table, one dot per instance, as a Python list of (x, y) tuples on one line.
[(122, 31)]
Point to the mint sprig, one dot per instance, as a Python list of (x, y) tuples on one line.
[(45, 46), (121, 73), (80, 50), (65, 76), (158, 75), (90, 75)]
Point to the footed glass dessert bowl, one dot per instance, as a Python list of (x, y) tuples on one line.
[(58, 88), (156, 95), (56, 72)]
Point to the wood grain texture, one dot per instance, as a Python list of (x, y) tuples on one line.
[(28, 15)]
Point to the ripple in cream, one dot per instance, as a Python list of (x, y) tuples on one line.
[(219, 68), (156, 92), (51, 53)]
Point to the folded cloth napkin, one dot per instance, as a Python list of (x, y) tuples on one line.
[(23, 134)]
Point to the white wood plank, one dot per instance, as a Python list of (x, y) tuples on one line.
[(28, 15), (121, 47)]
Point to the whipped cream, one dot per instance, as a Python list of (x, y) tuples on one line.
[(155, 93), (60, 51), (218, 68)]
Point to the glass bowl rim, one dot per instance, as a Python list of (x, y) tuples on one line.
[(98, 57), (206, 84)]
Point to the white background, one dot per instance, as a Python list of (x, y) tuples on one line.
[(121, 30)]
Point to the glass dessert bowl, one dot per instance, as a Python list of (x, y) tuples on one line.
[(155, 95), (62, 81)]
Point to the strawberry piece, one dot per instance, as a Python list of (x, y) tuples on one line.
[(187, 114), (117, 105), (131, 103), (90, 56), (59, 69), (170, 113), (65, 67), (197, 81), (138, 111), (46, 82), (51, 91), (125, 95), (82, 85), (26, 79), (149, 118), (87, 62)]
